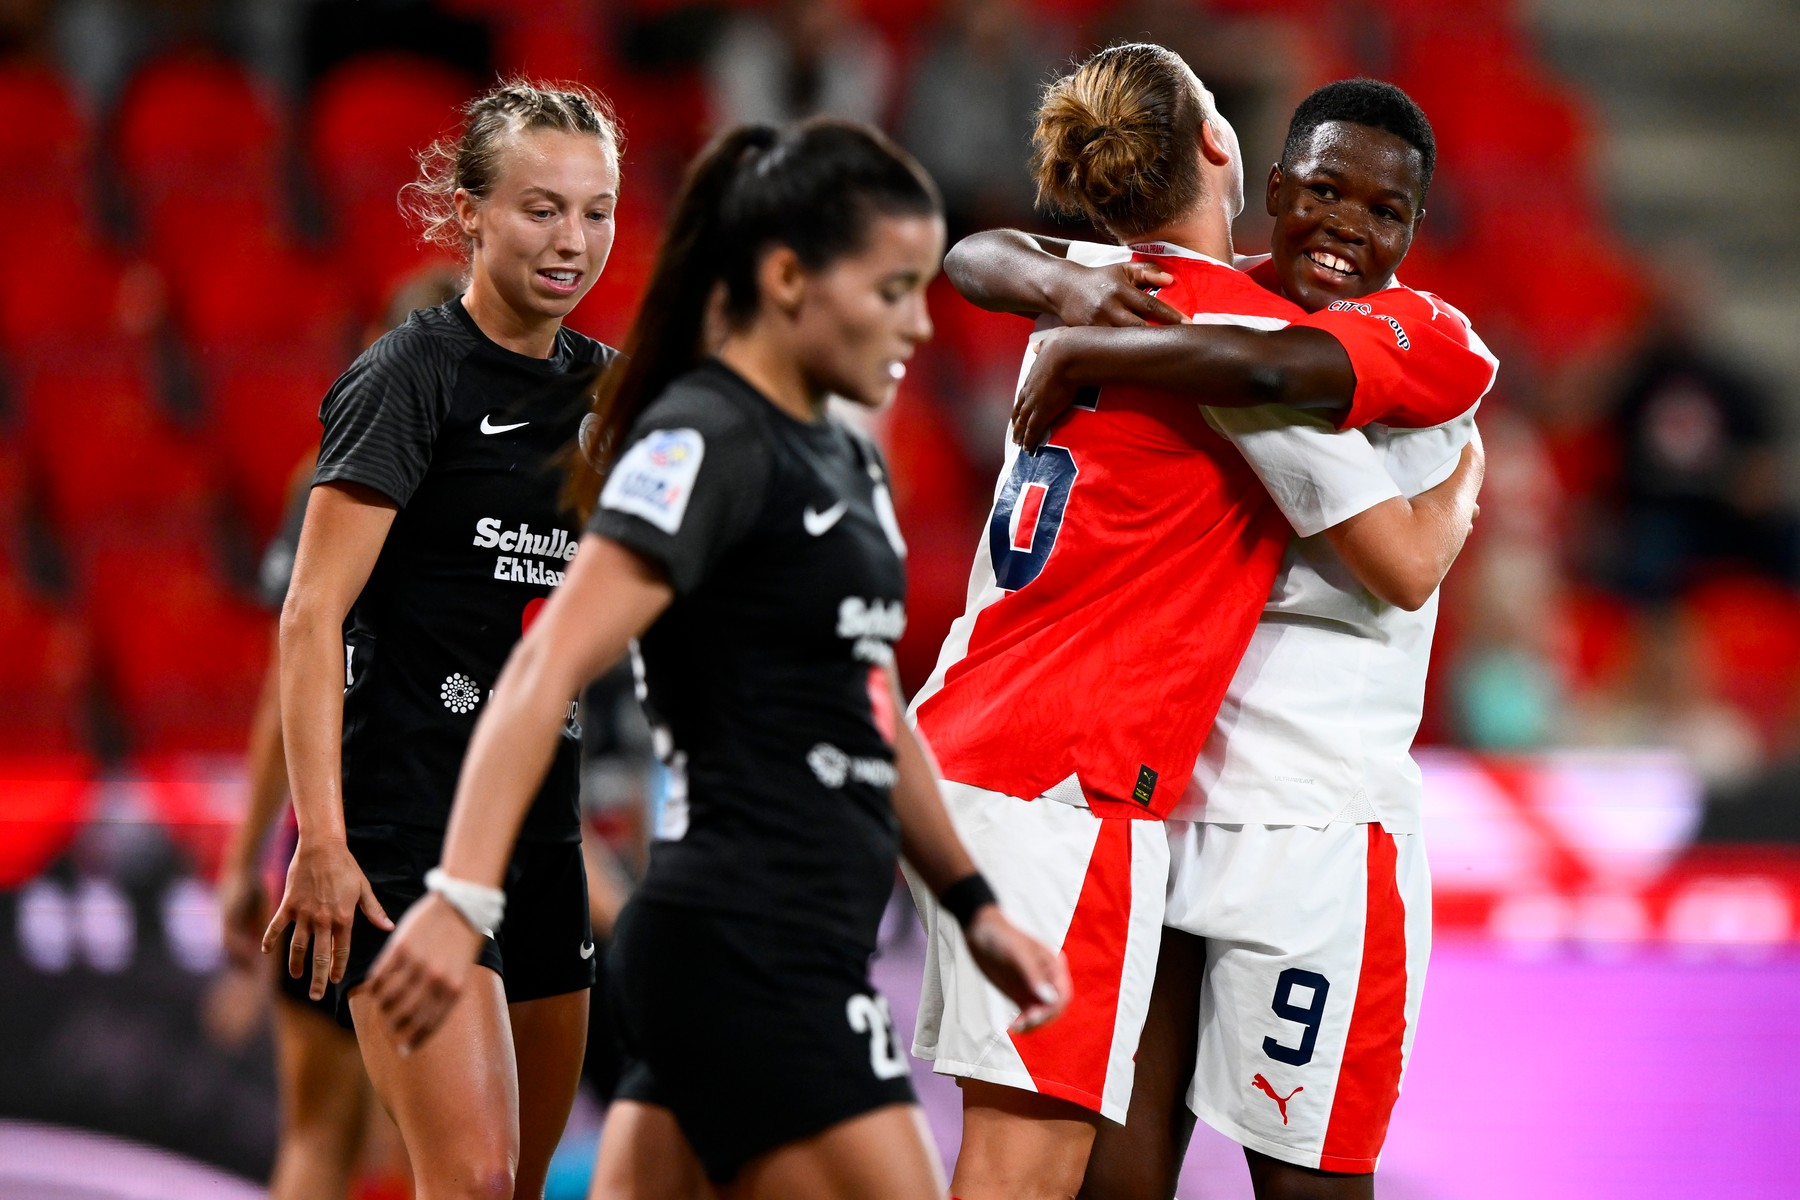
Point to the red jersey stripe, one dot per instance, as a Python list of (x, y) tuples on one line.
[(1369, 1077)]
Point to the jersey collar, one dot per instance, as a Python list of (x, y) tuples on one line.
[(1171, 250)]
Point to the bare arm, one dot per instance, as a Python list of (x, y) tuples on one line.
[(243, 902), (345, 527), (1223, 366), (610, 595), (1032, 975), (1401, 549), (1004, 270)]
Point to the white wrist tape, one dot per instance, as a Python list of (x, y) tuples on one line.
[(480, 905)]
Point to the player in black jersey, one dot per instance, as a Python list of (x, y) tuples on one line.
[(748, 542), (434, 532)]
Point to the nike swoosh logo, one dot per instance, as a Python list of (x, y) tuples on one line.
[(818, 523), (488, 426), (587, 950)]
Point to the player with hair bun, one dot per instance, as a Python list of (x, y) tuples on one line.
[(1298, 900), (1128, 559), (433, 534), (746, 542)]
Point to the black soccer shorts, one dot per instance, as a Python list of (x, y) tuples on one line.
[(545, 946), (753, 1033)]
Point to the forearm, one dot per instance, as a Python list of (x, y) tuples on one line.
[(508, 756), (1224, 366), (312, 718), (1401, 549), (1004, 270), (928, 840), (265, 770)]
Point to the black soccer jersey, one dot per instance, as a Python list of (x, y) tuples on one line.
[(767, 677), (463, 435)]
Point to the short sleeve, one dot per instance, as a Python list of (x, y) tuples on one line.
[(1417, 360), (687, 489), (383, 414), (1316, 474)]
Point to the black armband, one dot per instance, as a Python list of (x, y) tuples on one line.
[(966, 897)]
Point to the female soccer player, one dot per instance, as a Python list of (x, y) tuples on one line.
[(433, 533), (1289, 1026), (1127, 566), (748, 542)]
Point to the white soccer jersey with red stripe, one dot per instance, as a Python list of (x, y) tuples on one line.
[(1120, 575)]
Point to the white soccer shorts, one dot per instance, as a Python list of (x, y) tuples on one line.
[(1316, 944), (1092, 887)]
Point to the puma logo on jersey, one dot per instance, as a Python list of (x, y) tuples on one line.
[(819, 523), (488, 426), (1281, 1102)]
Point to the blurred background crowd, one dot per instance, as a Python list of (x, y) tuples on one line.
[(199, 229)]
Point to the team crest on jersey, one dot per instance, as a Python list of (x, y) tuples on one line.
[(656, 477)]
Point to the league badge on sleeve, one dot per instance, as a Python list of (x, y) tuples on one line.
[(656, 477)]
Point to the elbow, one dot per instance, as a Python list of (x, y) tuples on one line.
[(1411, 590)]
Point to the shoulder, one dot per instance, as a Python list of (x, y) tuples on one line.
[(584, 351), (427, 344), (1213, 293), (705, 400)]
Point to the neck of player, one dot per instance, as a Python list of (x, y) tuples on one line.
[(530, 334), (770, 366), (1204, 229)]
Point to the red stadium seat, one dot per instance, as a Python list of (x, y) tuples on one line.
[(43, 672), (44, 142), (264, 417), (255, 292), (107, 458), (1748, 630), (369, 120), (199, 144), (184, 656), (61, 292)]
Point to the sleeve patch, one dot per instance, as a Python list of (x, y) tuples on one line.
[(655, 479)]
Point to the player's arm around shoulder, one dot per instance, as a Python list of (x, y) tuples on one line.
[(1079, 283)]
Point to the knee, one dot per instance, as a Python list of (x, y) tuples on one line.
[(472, 1178)]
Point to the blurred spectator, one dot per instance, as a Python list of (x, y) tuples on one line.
[(969, 111), (1508, 686), (1672, 699), (802, 58), (1699, 481)]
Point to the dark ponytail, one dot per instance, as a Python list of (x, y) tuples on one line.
[(814, 188)]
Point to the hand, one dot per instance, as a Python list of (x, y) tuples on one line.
[(243, 914), (422, 970), (325, 887), (1032, 975), (1112, 295), (1047, 391)]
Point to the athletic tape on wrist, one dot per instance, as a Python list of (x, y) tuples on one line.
[(967, 896), (480, 905)]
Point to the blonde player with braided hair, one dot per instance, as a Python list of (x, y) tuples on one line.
[(433, 534)]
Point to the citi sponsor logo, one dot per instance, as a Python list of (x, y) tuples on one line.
[(555, 544), (833, 768), (1349, 306)]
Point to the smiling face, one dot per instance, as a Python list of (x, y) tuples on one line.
[(542, 234), (1346, 208), (859, 319)]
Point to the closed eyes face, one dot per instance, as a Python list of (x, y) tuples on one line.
[(545, 230), (1346, 208)]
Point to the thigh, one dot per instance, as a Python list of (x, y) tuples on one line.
[(1316, 949), (881, 1155), (1091, 887), (645, 1156), (753, 1034), (320, 1072), (1142, 1157), (548, 1036), (1020, 1145), (456, 1098)]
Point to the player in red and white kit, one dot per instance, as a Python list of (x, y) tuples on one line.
[(1123, 564), (1295, 850)]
